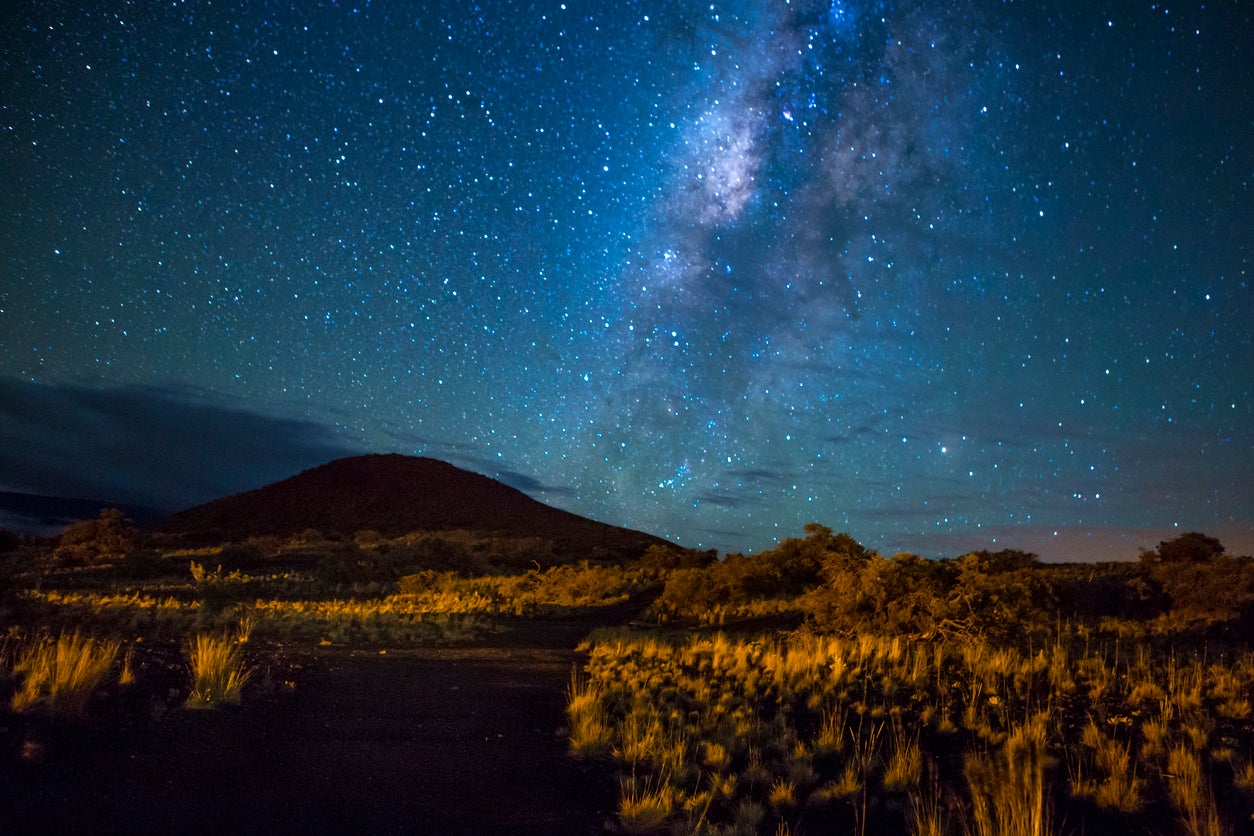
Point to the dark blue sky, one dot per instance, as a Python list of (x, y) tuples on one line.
[(945, 276)]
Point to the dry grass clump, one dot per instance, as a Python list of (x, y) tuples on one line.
[(218, 671), (1114, 783), (1191, 793), (1008, 788), (905, 764), (589, 732), (644, 806), (60, 675)]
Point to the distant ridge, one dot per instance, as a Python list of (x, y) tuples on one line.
[(46, 515), (394, 495)]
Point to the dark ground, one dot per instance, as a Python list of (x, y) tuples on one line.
[(432, 740)]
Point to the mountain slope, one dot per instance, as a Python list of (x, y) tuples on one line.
[(395, 495)]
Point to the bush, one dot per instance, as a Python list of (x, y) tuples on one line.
[(658, 557), (103, 540), (736, 583), (1001, 603), (1218, 589), (217, 589), (904, 595), (141, 563)]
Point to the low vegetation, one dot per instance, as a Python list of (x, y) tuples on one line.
[(101, 578), (817, 730), (59, 676), (217, 669), (814, 687), (987, 694)]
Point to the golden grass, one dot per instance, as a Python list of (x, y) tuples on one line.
[(927, 815), (217, 669), (905, 764), (1113, 783), (1008, 787), (1191, 793), (589, 732), (59, 676), (807, 722), (644, 806), (439, 608)]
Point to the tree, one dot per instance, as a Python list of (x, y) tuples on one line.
[(1192, 547)]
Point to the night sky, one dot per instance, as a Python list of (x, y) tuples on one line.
[(946, 276)]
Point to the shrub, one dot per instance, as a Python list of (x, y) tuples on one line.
[(903, 595), (1218, 589), (141, 563), (1193, 547), (103, 540), (218, 590), (665, 557)]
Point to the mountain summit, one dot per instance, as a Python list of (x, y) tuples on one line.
[(395, 495)]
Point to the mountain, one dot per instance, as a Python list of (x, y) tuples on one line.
[(395, 495)]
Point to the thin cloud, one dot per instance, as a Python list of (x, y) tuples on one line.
[(159, 448)]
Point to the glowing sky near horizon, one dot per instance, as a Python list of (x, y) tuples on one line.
[(945, 276)]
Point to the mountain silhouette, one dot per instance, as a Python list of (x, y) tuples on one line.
[(394, 495)]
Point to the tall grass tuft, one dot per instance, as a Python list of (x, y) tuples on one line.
[(1008, 792), (1116, 785), (60, 676), (905, 764), (927, 813), (644, 806), (590, 733), (218, 671), (1191, 793)]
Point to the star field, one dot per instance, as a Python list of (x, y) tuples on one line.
[(945, 276)]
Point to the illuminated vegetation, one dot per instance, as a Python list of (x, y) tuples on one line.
[(816, 687), (59, 676), (987, 694), (811, 727), (217, 669)]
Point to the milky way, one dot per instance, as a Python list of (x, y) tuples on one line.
[(946, 276)]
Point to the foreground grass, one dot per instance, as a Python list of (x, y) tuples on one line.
[(868, 734), (217, 669), (59, 676)]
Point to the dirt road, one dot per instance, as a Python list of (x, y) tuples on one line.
[(440, 741)]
